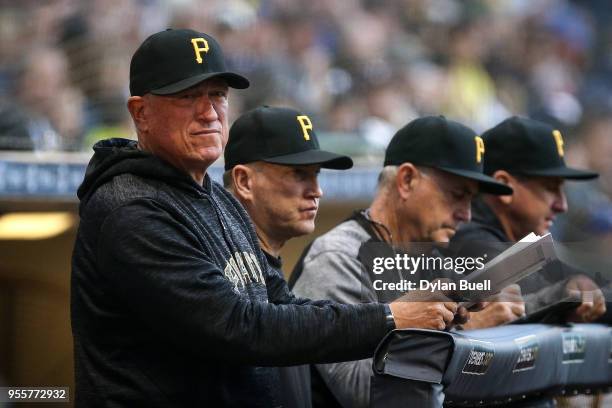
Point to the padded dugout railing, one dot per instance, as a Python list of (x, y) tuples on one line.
[(513, 364)]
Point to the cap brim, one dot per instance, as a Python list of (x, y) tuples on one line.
[(326, 159), (486, 184), (233, 81), (563, 172)]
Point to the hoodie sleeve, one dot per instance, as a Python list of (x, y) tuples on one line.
[(279, 292), (167, 281)]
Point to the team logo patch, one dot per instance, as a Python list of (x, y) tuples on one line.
[(528, 347), (305, 124), (480, 148), (480, 357), (242, 269), (200, 45), (559, 141), (574, 347)]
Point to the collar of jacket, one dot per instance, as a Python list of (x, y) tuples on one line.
[(484, 215)]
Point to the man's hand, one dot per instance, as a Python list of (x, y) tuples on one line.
[(462, 316), (426, 310), (502, 308), (593, 302), (423, 315)]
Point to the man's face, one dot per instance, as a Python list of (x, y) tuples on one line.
[(442, 201), (188, 129), (535, 203), (285, 199)]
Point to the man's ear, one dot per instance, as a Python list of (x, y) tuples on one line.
[(408, 176), (242, 180), (506, 178), (136, 107)]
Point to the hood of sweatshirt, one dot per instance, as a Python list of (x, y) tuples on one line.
[(113, 157)]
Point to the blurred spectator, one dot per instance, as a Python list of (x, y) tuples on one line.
[(471, 91), (592, 202), (113, 121), (345, 115), (54, 107), (14, 128), (588, 226), (387, 110)]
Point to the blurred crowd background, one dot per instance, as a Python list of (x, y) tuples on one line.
[(359, 68)]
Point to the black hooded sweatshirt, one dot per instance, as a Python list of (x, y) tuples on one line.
[(173, 303)]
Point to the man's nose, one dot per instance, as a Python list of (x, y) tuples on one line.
[(206, 109), (464, 212), (314, 189), (560, 203)]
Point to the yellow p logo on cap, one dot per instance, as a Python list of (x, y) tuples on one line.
[(199, 49), (559, 141), (305, 124), (479, 148)]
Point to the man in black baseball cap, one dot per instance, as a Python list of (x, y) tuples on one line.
[(437, 142), (529, 156), (134, 261), (433, 167), (179, 86), (529, 147), (272, 163)]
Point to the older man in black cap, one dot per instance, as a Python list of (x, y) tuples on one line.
[(528, 156), (272, 163), (172, 299), (432, 170)]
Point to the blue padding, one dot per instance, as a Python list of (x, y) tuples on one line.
[(502, 363)]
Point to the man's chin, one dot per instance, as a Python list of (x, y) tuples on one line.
[(443, 235), (543, 231), (209, 154), (302, 229)]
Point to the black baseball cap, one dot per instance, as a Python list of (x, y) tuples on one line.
[(170, 61), (437, 142), (278, 135), (528, 147)]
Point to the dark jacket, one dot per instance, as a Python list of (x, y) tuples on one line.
[(295, 386), (484, 226), (484, 234), (172, 302)]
